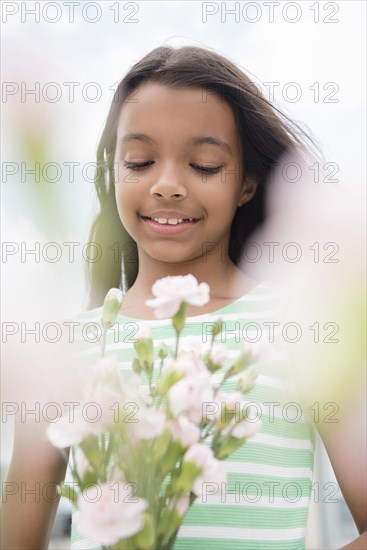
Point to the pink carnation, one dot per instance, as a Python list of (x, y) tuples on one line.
[(108, 512)]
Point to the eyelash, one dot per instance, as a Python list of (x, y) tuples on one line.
[(142, 165)]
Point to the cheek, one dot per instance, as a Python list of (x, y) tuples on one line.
[(124, 206), (223, 196)]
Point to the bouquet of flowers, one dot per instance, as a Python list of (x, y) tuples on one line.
[(158, 438)]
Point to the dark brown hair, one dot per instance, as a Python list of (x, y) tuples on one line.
[(265, 134)]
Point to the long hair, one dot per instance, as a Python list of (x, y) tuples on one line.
[(265, 134)]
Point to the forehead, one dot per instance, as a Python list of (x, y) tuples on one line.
[(157, 107)]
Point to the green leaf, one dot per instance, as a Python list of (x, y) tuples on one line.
[(164, 522), (209, 363), (92, 451), (169, 377), (229, 446), (109, 449), (171, 457), (226, 416), (171, 522), (90, 477), (185, 480), (68, 492), (160, 445), (146, 537), (124, 544)]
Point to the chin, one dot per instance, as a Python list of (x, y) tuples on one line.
[(169, 258), (169, 254)]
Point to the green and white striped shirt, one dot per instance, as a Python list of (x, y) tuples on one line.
[(265, 501)]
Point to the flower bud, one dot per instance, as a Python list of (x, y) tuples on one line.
[(111, 307), (143, 332), (144, 349), (178, 320), (219, 354), (246, 428), (242, 362), (137, 368), (162, 350), (246, 380), (217, 329)]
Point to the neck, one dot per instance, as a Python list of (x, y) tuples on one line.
[(217, 270)]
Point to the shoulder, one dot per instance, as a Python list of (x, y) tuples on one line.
[(264, 295), (246, 286)]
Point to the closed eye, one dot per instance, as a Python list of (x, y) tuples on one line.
[(207, 169), (142, 165), (137, 165)]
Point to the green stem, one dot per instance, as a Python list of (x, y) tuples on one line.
[(173, 537), (174, 502), (209, 426), (211, 343), (172, 540), (104, 465), (225, 377), (74, 470), (103, 343), (177, 341), (160, 368)]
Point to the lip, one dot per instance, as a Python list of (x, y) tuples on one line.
[(166, 229), (168, 214)]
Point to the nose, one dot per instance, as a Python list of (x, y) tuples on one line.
[(169, 186)]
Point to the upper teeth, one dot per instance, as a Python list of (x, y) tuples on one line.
[(172, 221)]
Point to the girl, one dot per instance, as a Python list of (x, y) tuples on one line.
[(183, 163)]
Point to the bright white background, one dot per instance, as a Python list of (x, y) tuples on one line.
[(314, 45)]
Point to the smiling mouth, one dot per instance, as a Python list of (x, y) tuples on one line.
[(171, 221)]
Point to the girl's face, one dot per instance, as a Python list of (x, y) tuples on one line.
[(178, 156)]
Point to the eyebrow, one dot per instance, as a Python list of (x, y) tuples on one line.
[(198, 140)]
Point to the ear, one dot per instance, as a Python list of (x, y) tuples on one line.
[(248, 191)]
